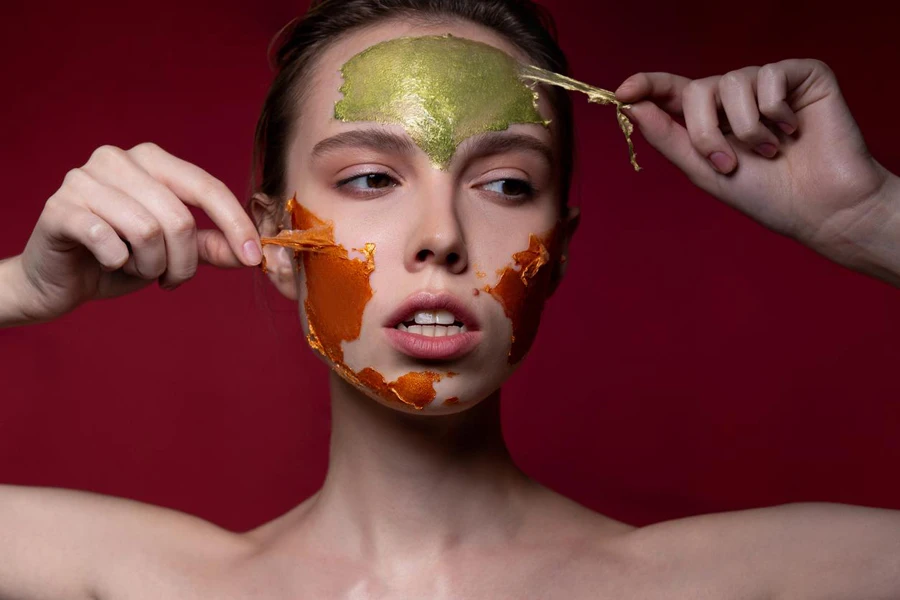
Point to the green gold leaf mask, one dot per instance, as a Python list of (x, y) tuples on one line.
[(440, 89)]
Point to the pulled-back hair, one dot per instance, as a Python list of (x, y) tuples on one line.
[(292, 53)]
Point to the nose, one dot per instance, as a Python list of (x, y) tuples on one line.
[(437, 238)]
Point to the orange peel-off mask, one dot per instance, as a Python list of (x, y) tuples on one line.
[(338, 290), (523, 287)]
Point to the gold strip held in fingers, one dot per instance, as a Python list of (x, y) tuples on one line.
[(595, 95)]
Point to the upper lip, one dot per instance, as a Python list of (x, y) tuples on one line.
[(428, 300)]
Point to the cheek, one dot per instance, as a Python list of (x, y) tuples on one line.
[(521, 288)]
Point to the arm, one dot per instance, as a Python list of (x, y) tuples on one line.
[(57, 543), (835, 551), (800, 551)]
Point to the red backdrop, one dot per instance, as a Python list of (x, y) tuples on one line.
[(710, 364)]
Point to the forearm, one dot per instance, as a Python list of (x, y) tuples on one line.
[(11, 286)]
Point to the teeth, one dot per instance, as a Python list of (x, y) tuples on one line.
[(424, 317), (434, 317), (433, 330), (444, 317)]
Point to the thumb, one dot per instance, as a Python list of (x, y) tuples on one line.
[(213, 248)]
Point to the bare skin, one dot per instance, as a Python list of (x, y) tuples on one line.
[(435, 507)]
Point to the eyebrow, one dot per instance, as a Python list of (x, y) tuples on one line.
[(476, 147), (501, 142), (370, 139)]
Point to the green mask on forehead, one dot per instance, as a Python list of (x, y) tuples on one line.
[(441, 89)]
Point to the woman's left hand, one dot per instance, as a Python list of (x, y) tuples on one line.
[(776, 142)]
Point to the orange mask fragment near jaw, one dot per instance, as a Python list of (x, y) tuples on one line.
[(522, 290), (338, 290)]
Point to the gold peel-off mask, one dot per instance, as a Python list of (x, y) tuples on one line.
[(338, 290), (443, 90)]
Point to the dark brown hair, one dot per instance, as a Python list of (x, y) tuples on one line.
[(293, 51)]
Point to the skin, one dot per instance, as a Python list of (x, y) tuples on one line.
[(434, 507)]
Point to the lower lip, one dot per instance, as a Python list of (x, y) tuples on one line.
[(433, 348)]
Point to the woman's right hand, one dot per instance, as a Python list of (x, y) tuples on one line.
[(120, 222)]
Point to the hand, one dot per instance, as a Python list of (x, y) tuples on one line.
[(119, 223), (776, 142)]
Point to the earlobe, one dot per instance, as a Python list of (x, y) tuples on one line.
[(278, 261)]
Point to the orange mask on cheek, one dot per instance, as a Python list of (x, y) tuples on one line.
[(338, 290), (523, 287)]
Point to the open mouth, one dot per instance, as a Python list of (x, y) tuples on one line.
[(433, 323), (433, 326)]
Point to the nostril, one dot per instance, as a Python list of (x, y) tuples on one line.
[(423, 255), (452, 258)]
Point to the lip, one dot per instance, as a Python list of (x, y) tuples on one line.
[(433, 348)]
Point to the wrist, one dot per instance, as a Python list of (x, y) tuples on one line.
[(12, 293), (878, 246)]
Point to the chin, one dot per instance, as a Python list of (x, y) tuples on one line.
[(452, 392)]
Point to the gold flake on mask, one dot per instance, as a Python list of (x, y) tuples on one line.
[(440, 89)]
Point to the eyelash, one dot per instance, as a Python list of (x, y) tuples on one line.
[(528, 193)]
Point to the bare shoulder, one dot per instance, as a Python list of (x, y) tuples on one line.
[(68, 543), (799, 550)]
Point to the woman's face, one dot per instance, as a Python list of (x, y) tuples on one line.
[(463, 247)]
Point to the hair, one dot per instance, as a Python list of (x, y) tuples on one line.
[(293, 51)]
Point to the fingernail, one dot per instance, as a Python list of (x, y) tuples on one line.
[(767, 150), (786, 127), (721, 162), (252, 252)]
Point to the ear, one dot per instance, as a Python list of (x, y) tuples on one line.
[(570, 226), (270, 219)]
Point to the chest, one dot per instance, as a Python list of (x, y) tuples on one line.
[(544, 577)]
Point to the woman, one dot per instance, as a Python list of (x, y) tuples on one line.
[(421, 497)]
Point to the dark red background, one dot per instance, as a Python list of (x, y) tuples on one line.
[(693, 361)]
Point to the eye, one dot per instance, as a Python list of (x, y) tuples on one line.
[(368, 182), (512, 188)]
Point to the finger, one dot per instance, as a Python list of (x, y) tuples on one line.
[(128, 217), (114, 168), (196, 187), (664, 89), (671, 139), (67, 223), (213, 249), (701, 103), (738, 96), (772, 91)]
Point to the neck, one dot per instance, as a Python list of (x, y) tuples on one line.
[(402, 484)]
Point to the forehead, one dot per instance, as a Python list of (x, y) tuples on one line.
[(326, 79)]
